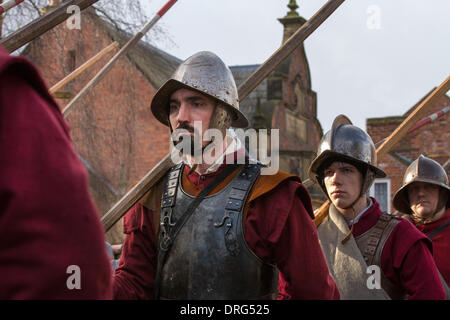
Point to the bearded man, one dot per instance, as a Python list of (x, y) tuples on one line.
[(215, 229)]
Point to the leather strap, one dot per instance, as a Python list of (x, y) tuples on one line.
[(170, 234), (438, 230), (375, 237)]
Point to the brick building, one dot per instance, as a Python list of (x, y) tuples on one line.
[(431, 140), (112, 128)]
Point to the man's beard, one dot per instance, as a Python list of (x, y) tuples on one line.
[(187, 144)]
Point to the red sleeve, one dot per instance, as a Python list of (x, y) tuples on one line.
[(408, 262), (49, 229), (133, 278), (280, 231)]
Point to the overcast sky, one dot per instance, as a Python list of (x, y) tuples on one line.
[(371, 58)]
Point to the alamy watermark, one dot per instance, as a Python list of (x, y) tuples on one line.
[(74, 21), (74, 280), (374, 280), (373, 21)]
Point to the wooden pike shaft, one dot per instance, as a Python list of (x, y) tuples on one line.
[(136, 193), (396, 135), (139, 190), (415, 116), (42, 24), (83, 67), (127, 47), (429, 119)]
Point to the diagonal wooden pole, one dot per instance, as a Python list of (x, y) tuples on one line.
[(139, 190), (127, 47), (397, 135), (85, 66), (42, 24)]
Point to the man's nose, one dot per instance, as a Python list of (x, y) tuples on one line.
[(335, 178), (183, 114), (421, 191)]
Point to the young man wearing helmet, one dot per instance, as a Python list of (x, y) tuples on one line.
[(371, 254), (218, 230), (424, 199)]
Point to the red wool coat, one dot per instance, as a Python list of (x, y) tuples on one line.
[(441, 245), (406, 259), (48, 221)]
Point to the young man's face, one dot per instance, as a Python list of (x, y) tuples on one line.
[(343, 183), (423, 199), (188, 106)]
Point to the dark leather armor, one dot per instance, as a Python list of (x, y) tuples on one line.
[(209, 258)]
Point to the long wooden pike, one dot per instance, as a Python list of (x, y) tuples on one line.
[(139, 190), (415, 116), (42, 24), (396, 135), (130, 44), (74, 74)]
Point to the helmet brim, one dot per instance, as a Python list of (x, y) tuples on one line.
[(328, 154), (160, 104)]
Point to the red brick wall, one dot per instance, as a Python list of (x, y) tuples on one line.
[(431, 140), (112, 126)]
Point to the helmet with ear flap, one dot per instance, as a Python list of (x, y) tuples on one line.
[(348, 143), (207, 74)]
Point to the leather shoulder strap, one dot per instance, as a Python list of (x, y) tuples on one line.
[(389, 223), (438, 230), (378, 237)]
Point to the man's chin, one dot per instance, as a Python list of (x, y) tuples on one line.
[(422, 213), (340, 202)]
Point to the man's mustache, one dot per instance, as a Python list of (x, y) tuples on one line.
[(185, 126)]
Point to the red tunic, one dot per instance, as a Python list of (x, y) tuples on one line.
[(406, 259), (441, 245), (48, 221), (278, 229)]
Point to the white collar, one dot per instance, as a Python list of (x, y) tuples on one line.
[(356, 219)]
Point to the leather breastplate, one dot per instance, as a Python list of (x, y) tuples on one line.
[(371, 244), (209, 258)]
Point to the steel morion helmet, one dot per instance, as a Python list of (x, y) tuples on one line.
[(346, 142), (422, 169), (206, 73)]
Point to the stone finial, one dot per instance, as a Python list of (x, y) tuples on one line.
[(293, 6)]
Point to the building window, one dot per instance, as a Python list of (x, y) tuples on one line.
[(71, 60), (381, 191)]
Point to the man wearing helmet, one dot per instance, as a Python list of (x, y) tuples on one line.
[(218, 230), (372, 255), (424, 199)]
